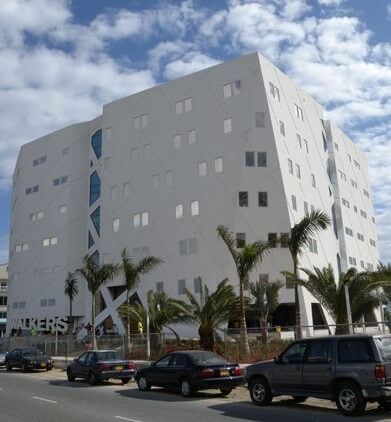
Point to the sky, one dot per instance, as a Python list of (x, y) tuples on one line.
[(61, 60)]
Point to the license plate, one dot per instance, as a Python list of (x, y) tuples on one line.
[(224, 373), (119, 368), (43, 365)]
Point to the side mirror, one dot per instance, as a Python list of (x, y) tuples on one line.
[(153, 363), (76, 360)]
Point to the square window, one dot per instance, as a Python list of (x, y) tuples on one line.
[(284, 237), (33, 216), (18, 248), (195, 207), (36, 188), (62, 209), (53, 241), (227, 125), (260, 119), (181, 287), (298, 173), (250, 158), (262, 162), (136, 220), (155, 181), (240, 240), (25, 247), (43, 303), (182, 247), (179, 108), (290, 166), (46, 242), (188, 104), (202, 169), (282, 128), (227, 91), (243, 199), (159, 286), (36, 162), (51, 302), (179, 211), (294, 203), (137, 122), (114, 192), (147, 150), (64, 179), (56, 182), (177, 141), (144, 218), (144, 120), (169, 177), (272, 239), (262, 199), (43, 160), (39, 215), (236, 87), (218, 165), (28, 191), (191, 136), (115, 224), (126, 190)]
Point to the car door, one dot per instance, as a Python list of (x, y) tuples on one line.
[(318, 366), (17, 358), (12, 357), (158, 373), (287, 374), (79, 368), (176, 369)]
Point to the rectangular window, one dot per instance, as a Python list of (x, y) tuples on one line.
[(179, 108), (136, 220), (360, 237), (155, 181), (188, 104), (56, 182), (260, 119), (372, 242), (250, 158), (306, 145), (192, 246), (137, 122), (179, 211), (182, 247), (108, 132), (126, 190), (25, 247), (147, 150), (160, 286), (282, 128), (62, 209), (262, 199), (144, 120), (227, 125), (115, 224), (236, 87), (262, 162), (227, 91), (299, 112), (243, 199), (272, 239), (144, 218), (46, 242), (51, 302), (133, 155), (284, 240), (294, 203), (313, 181), (298, 173), (33, 216), (197, 285), (191, 136), (169, 177), (218, 165), (240, 240), (202, 169), (298, 137), (177, 141), (363, 214), (181, 287), (290, 166), (114, 192), (195, 208), (43, 303), (53, 241), (354, 350), (348, 231)]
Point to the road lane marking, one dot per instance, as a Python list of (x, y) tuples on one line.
[(127, 419), (40, 398)]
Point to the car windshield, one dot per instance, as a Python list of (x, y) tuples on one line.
[(31, 352), (384, 346), (108, 356), (207, 358)]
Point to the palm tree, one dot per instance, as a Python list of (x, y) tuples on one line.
[(363, 291), (71, 290), (163, 311), (96, 276), (245, 261), (301, 235), (266, 302), (132, 272), (212, 310)]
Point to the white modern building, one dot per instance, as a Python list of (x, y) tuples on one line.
[(3, 297), (237, 144)]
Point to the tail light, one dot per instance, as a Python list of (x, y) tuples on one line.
[(131, 365), (380, 373), (207, 373), (104, 367), (237, 371)]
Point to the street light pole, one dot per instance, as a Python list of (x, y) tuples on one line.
[(348, 310), (148, 339)]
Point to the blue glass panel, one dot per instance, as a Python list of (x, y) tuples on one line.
[(94, 187), (95, 257), (95, 218), (91, 241), (96, 143)]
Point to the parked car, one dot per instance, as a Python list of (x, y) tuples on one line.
[(28, 358), (350, 370), (101, 365), (191, 371), (3, 354)]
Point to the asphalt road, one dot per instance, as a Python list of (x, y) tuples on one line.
[(48, 397)]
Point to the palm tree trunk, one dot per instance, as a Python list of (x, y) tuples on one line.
[(264, 332), (93, 323), (299, 333), (70, 328), (207, 340), (244, 348), (128, 345)]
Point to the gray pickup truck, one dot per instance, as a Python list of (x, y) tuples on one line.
[(350, 370)]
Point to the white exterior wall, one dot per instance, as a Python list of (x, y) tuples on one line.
[(217, 193)]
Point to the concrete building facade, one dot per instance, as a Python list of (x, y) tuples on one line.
[(237, 144), (3, 298)]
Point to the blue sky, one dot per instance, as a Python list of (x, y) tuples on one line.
[(62, 59)]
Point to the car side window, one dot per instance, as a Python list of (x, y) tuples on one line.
[(163, 362), (355, 350), (178, 361), (294, 354), (90, 358), (320, 351), (82, 358)]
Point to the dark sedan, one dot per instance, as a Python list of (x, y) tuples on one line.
[(101, 365), (191, 371), (28, 358)]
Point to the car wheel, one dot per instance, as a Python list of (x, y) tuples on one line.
[(299, 399), (9, 367), (143, 384), (386, 405), (70, 375), (225, 391), (92, 378), (185, 388), (24, 368), (260, 392), (125, 380), (350, 401)]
